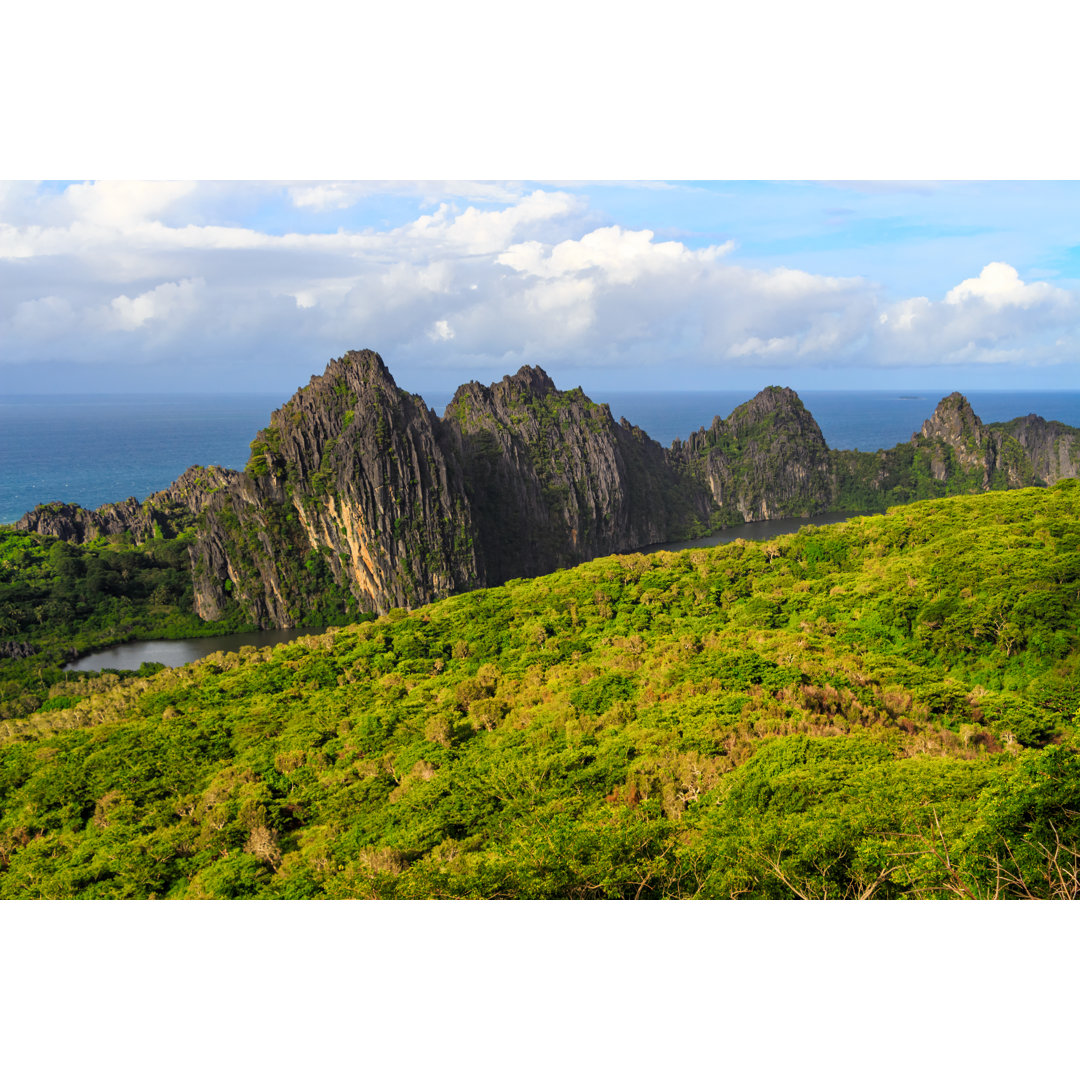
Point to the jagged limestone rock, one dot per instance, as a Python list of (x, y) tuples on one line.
[(354, 492), (164, 513), (554, 480), (358, 498), (768, 459)]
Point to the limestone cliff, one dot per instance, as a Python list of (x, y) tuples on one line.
[(352, 501), (553, 480), (960, 448), (358, 498), (955, 453), (1051, 448), (768, 459)]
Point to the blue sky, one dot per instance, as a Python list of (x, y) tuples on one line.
[(147, 286)]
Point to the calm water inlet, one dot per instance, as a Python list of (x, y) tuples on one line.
[(133, 654), (752, 530)]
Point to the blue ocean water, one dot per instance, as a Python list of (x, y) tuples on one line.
[(95, 448)]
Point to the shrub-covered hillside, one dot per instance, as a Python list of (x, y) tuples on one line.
[(884, 708)]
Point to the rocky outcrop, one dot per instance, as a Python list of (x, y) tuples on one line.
[(17, 650), (768, 459), (358, 498), (553, 480), (165, 513), (955, 453), (959, 447), (1051, 448), (76, 525), (353, 501)]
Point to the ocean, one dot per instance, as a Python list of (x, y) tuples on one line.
[(96, 448)]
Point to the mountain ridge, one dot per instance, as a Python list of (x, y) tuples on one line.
[(358, 498)]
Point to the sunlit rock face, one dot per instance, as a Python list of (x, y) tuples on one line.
[(358, 499), (353, 497)]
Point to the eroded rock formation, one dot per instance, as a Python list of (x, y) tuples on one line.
[(358, 498)]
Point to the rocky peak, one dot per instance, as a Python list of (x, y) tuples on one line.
[(771, 410), (774, 397), (953, 420), (535, 380), (364, 365), (356, 373), (528, 384), (350, 492), (774, 404)]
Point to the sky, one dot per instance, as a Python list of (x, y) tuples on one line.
[(150, 286)]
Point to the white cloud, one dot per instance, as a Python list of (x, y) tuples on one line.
[(167, 301), (479, 232), (994, 318), (325, 196), (47, 316), (903, 315), (340, 196), (754, 346), (120, 271), (621, 255), (999, 285), (123, 202)]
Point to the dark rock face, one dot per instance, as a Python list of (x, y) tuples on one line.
[(17, 650), (358, 498), (1052, 448), (352, 494), (553, 480)]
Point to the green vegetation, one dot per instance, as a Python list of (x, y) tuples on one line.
[(887, 707), (58, 600)]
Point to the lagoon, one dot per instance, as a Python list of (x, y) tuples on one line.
[(131, 655), (753, 530)]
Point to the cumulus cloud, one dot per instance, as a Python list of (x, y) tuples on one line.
[(123, 202), (172, 300), (621, 255), (488, 232), (124, 271), (993, 318), (999, 285)]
